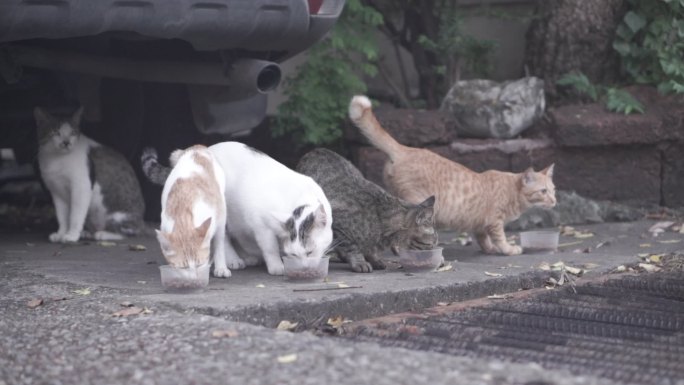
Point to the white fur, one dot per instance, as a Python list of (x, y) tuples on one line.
[(261, 195), (185, 166), (358, 104), (65, 173)]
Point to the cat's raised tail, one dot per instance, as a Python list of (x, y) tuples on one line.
[(155, 172), (361, 114)]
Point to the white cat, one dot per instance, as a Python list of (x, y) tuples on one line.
[(273, 211), (86, 181), (193, 217)]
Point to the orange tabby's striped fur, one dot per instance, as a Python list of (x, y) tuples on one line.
[(480, 203)]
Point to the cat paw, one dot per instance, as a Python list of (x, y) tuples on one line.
[(56, 237), (276, 270), (221, 272), (514, 250), (362, 267), (71, 237)]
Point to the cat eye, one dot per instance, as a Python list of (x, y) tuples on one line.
[(544, 191)]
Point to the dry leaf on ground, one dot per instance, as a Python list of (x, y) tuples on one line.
[(106, 244), (648, 267), (85, 291), (126, 304), (499, 296), (137, 247), (670, 241), (34, 303), (337, 321), (286, 325), (446, 267), (129, 311), (493, 274), (342, 285), (287, 358), (660, 227), (224, 333), (261, 285), (644, 245)]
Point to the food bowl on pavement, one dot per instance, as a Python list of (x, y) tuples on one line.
[(421, 259), (184, 280)]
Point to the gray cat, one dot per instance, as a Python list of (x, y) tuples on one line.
[(86, 181), (367, 219)]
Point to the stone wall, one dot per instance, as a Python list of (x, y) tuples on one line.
[(598, 154)]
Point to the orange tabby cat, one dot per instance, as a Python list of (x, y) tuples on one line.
[(481, 203)]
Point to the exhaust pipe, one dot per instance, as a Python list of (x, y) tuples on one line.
[(245, 77), (248, 77)]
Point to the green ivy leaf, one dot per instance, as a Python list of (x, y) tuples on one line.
[(634, 21)]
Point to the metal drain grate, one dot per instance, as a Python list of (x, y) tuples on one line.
[(629, 329)]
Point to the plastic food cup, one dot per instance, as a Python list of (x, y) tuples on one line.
[(306, 269), (539, 241), (421, 259), (184, 280)]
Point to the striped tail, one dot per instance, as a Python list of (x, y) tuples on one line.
[(361, 114), (155, 172)]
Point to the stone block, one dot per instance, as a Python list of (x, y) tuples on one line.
[(416, 128), (620, 173), (593, 125)]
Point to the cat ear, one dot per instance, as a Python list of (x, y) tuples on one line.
[(426, 211), (202, 231), (548, 171), (43, 118), (430, 202), (76, 117), (320, 217), (528, 176)]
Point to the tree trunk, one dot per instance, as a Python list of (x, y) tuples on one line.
[(573, 35)]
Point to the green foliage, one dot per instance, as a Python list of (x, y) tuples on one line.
[(580, 83), (650, 41), (457, 50), (615, 99), (621, 101), (320, 91)]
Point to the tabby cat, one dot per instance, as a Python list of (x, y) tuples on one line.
[(272, 211), (481, 203), (367, 220), (86, 181)]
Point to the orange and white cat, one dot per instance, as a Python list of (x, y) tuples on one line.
[(193, 217), (480, 203)]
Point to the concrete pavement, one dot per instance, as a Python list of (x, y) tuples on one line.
[(227, 333)]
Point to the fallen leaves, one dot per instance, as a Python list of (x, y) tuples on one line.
[(337, 321), (660, 227), (137, 247), (85, 291), (287, 358), (446, 267), (463, 239), (261, 286), (287, 325), (570, 231), (499, 296), (229, 333), (561, 266), (34, 303), (649, 267), (493, 274), (128, 311)]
